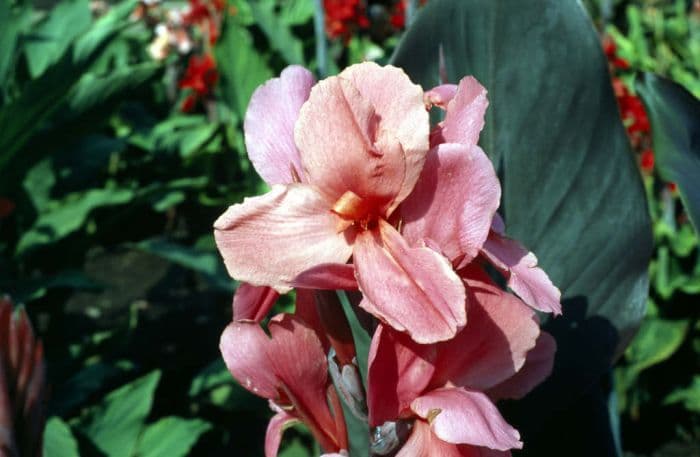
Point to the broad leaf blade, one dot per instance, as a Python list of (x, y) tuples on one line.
[(571, 190), (58, 439), (171, 437), (675, 120)]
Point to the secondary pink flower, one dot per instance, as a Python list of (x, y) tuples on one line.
[(289, 368), (361, 139), (443, 391)]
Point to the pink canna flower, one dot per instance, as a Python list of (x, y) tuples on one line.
[(289, 368), (453, 206), (359, 143), (442, 395)]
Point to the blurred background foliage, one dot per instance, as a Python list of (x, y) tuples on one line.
[(121, 142)]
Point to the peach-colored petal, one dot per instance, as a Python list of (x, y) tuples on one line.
[(464, 117), (525, 278), (270, 239), (331, 276), (244, 346), (275, 428), (493, 347), (461, 416), (412, 289), (454, 202), (424, 443), (345, 148), (253, 302), (269, 125), (399, 105), (537, 368), (399, 371)]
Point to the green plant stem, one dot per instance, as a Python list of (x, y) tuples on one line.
[(321, 45)]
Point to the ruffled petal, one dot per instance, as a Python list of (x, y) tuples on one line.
[(525, 278), (464, 117), (454, 202), (424, 443), (399, 105), (537, 368), (269, 125), (412, 289), (275, 428), (245, 349), (253, 302), (440, 95), (493, 347), (270, 239), (399, 371), (461, 416)]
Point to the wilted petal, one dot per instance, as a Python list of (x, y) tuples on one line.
[(424, 443), (275, 428), (464, 117), (493, 347), (269, 125), (399, 105), (253, 302), (461, 416), (245, 349), (399, 370), (525, 278), (537, 368), (454, 202), (347, 148), (271, 239), (412, 289)]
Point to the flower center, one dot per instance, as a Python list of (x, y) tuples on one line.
[(354, 210)]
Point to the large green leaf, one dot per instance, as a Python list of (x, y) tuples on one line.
[(675, 120), (115, 424), (58, 439), (278, 31), (171, 437), (571, 191)]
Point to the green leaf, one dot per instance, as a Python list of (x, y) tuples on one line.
[(689, 396), (295, 449), (277, 31), (69, 215), (12, 23), (75, 391), (657, 340), (115, 424), (171, 437), (241, 66), (296, 12), (360, 336), (675, 121), (58, 439), (571, 190), (52, 37), (215, 385), (208, 263)]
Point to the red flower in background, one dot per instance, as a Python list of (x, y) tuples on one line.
[(200, 76), (646, 160), (206, 15), (343, 17), (610, 49), (6, 207)]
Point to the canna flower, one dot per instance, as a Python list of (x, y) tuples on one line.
[(289, 368), (22, 387), (359, 144), (442, 396)]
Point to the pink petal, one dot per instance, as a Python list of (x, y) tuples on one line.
[(525, 278), (454, 202), (269, 125), (464, 118), (399, 105), (299, 362), (424, 443), (440, 95), (498, 225), (253, 302), (344, 147), (493, 347), (330, 276), (271, 239), (412, 289), (399, 371), (275, 428), (245, 348), (537, 368), (461, 416)]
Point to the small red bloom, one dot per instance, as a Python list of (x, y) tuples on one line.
[(200, 76), (343, 17), (206, 15), (673, 187), (646, 160)]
